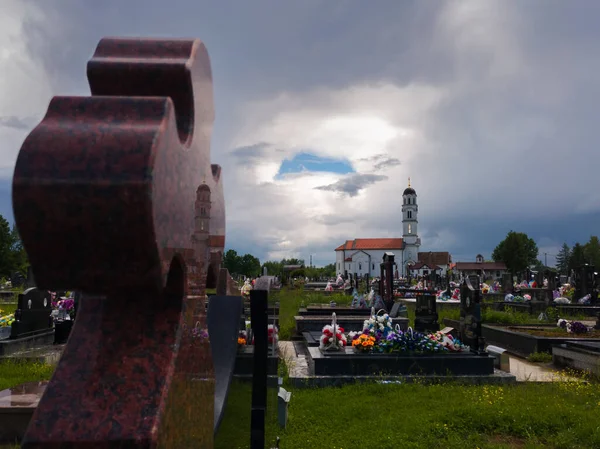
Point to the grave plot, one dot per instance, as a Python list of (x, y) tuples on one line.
[(525, 340), (579, 355), (381, 346)]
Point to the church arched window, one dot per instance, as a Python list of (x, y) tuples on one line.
[(409, 214), (409, 229)]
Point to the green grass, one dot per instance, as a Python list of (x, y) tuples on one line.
[(527, 415), (13, 373), (290, 301)]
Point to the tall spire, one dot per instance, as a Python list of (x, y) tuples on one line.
[(409, 181)]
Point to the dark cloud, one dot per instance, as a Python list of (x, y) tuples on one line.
[(352, 184), (251, 153), (381, 161), (515, 141)]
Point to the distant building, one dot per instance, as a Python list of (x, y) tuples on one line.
[(440, 259), (487, 270), (363, 256), (424, 269)]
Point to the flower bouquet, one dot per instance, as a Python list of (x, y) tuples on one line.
[(572, 327), (410, 341), (242, 339), (63, 308), (273, 334), (448, 342), (363, 343), (379, 326), (6, 325), (246, 288), (332, 337), (198, 333)]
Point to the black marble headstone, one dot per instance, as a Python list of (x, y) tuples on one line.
[(32, 316), (426, 317), (470, 314), (222, 321), (17, 279)]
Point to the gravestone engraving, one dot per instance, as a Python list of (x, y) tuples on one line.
[(470, 314), (148, 381)]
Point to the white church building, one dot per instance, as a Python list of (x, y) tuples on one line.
[(363, 256)]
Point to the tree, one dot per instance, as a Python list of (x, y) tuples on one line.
[(577, 258), (231, 260), (249, 265), (273, 268), (292, 261), (20, 261), (517, 251), (562, 259), (6, 249), (592, 251)]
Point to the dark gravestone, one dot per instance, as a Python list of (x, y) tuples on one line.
[(260, 321), (222, 320), (395, 309), (17, 279), (507, 283), (426, 317), (539, 279), (32, 316), (585, 283), (387, 280), (127, 162), (470, 314)]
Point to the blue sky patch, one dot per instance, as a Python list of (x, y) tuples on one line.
[(309, 162)]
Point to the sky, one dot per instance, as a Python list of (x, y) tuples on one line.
[(324, 109)]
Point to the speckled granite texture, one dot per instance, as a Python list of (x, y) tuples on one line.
[(103, 196)]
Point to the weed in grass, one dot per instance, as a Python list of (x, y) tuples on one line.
[(540, 357), (13, 373), (416, 415)]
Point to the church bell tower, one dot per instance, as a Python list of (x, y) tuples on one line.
[(410, 236)]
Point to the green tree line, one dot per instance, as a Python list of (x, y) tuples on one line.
[(569, 259), (519, 252), (249, 265)]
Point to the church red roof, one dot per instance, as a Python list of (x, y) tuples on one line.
[(358, 244)]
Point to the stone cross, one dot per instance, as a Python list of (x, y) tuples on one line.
[(114, 177)]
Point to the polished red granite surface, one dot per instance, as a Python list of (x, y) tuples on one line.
[(25, 395), (103, 195)]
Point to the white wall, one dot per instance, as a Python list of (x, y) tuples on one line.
[(360, 261)]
